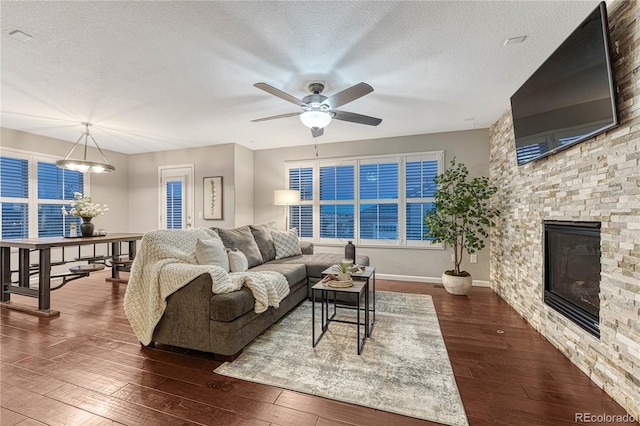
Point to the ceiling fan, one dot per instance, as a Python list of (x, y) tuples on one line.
[(318, 110)]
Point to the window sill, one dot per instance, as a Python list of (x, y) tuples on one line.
[(380, 246)]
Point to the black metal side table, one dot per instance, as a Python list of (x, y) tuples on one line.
[(363, 283)]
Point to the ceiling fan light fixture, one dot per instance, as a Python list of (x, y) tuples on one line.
[(319, 119), (85, 166)]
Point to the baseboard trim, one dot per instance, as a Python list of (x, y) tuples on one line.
[(432, 280)]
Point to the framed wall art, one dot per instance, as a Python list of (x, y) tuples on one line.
[(212, 197)]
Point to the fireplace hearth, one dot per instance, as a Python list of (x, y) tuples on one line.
[(572, 271)]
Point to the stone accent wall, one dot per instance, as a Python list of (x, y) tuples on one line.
[(596, 180)]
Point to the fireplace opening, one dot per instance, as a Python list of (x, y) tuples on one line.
[(572, 271)]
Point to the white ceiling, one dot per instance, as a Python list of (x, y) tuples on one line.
[(154, 76)]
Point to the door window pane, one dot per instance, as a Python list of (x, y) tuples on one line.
[(174, 205)]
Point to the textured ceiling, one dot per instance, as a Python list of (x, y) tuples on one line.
[(165, 75)]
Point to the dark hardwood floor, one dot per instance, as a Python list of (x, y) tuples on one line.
[(86, 367)]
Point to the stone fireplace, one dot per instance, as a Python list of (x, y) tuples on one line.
[(572, 271), (597, 180)]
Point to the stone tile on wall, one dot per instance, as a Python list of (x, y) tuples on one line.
[(596, 180)]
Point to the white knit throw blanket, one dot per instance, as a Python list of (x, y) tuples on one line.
[(166, 262)]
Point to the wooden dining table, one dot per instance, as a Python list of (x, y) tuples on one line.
[(114, 258)]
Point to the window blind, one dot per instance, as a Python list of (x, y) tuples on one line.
[(378, 200), (174, 205), (55, 183), (420, 191), (301, 179), (337, 189), (15, 220), (301, 218), (14, 177)]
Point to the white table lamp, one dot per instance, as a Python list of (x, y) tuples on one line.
[(286, 197)]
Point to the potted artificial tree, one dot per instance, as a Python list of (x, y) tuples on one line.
[(460, 218)]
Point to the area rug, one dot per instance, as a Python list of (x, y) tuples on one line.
[(404, 367)]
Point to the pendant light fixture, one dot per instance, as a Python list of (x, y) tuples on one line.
[(85, 166)]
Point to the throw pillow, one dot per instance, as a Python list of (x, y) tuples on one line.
[(237, 261), (212, 252), (242, 239), (262, 235), (286, 243)]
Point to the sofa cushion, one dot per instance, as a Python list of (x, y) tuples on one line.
[(212, 252), (262, 235), (237, 261), (242, 239), (292, 271), (286, 243), (229, 306), (316, 263)]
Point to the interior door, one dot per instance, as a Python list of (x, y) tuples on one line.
[(176, 195)]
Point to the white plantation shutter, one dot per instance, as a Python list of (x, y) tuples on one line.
[(55, 185), (337, 201), (32, 193), (14, 177), (301, 216), (14, 190), (420, 172), (174, 204), (379, 199), (376, 200)]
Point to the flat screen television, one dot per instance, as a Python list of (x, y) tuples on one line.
[(570, 97)]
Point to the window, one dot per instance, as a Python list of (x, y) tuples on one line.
[(174, 204), (301, 216), (56, 184), (420, 193), (33, 192), (378, 200), (14, 190), (337, 201)]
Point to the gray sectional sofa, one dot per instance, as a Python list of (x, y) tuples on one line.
[(223, 324)]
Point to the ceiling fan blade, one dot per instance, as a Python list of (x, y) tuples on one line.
[(348, 95), (356, 118), (273, 117), (279, 93), (316, 131)]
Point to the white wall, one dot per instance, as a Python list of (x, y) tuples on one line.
[(470, 147), (106, 188), (208, 161), (243, 191)]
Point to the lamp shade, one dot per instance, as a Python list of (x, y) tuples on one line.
[(285, 197), (317, 119)]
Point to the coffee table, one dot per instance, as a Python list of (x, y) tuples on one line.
[(363, 283)]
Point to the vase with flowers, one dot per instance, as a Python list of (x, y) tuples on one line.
[(82, 207)]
